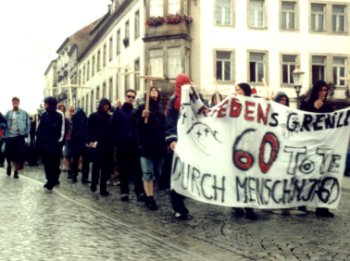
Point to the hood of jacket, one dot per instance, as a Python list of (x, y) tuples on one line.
[(279, 96)]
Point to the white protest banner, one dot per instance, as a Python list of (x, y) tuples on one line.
[(249, 152)]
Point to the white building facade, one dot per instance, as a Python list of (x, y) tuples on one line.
[(114, 58), (255, 40), (219, 43)]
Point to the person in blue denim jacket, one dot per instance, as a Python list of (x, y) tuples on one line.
[(18, 128)]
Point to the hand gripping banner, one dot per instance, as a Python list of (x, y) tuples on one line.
[(249, 152)]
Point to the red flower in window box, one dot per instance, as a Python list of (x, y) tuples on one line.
[(173, 19), (155, 21)]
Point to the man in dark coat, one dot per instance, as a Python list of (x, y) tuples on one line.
[(152, 143), (77, 144), (317, 102), (126, 140), (177, 200), (99, 138), (49, 137)]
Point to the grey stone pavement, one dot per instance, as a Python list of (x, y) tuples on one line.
[(73, 224)]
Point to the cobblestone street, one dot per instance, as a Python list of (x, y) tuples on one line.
[(73, 224)]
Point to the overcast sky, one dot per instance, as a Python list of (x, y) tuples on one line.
[(31, 32)]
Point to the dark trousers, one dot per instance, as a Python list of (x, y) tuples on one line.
[(101, 169), (177, 201), (51, 162), (2, 155), (129, 166)]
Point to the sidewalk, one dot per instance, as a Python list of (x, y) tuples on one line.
[(212, 233)]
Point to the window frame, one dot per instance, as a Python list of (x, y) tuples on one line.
[(265, 66), (296, 16), (297, 62), (232, 64), (265, 16), (232, 12)]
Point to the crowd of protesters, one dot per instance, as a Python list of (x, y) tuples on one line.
[(141, 140)]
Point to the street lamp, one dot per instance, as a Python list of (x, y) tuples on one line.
[(298, 76)]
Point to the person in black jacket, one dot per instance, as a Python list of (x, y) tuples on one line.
[(77, 144), (49, 138), (99, 138), (317, 102), (152, 143), (172, 116), (126, 140)]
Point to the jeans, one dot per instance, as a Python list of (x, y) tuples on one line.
[(151, 168)]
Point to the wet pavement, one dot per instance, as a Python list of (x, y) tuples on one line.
[(73, 224)]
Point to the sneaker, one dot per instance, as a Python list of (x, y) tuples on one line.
[(141, 197), (151, 203), (8, 171), (324, 212), (124, 197), (105, 193), (250, 214), (15, 174), (57, 183), (93, 188), (47, 190), (180, 216), (238, 212)]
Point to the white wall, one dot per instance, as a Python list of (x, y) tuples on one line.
[(241, 39)]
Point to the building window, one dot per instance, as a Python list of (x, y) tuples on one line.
[(318, 15), (186, 12), (118, 42), (288, 19), (82, 103), (318, 68), (110, 89), (339, 69), (156, 62), (223, 66), (156, 8), (256, 13), (174, 7), (110, 48), (339, 18), (126, 79), (127, 30), (79, 78), (223, 12), (104, 58), (88, 71), (136, 73), (256, 67), (98, 97), (93, 65), (116, 86), (87, 103), (174, 62), (104, 90), (137, 24), (83, 78), (98, 61), (288, 66), (187, 61), (93, 102)]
